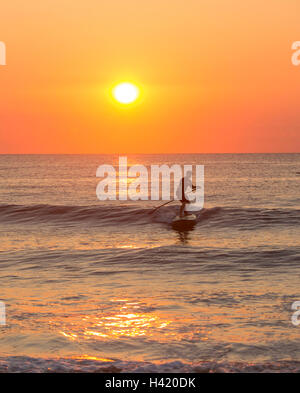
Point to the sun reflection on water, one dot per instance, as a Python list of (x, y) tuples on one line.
[(88, 357), (127, 321)]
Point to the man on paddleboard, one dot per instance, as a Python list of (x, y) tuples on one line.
[(184, 184)]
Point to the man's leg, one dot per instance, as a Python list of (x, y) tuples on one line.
[(182, 207)]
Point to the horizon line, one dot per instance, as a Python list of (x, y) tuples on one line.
[(120, 154)]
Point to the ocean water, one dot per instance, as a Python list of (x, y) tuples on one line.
[(92, 285)]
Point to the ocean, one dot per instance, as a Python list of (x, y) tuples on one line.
[(107, 286)]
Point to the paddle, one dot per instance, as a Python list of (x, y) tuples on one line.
[(173, 200)]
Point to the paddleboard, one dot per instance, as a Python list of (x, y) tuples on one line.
[(185, 222)]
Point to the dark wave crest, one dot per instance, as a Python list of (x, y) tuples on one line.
[(243, 218)]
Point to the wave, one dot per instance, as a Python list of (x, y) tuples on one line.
[(195, 259), (28, 364), (242, 218)]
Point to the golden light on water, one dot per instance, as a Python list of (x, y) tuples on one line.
[(124, 323), (88, 357)]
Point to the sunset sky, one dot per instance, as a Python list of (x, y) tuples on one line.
[(214, 76)]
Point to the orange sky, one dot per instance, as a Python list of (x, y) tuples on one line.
[(216, 76)]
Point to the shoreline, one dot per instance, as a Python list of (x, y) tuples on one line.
[(26, 364)]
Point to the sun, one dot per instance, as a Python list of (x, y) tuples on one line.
[(126, 93)]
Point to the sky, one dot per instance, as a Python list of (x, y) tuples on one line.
[(215, 76)]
